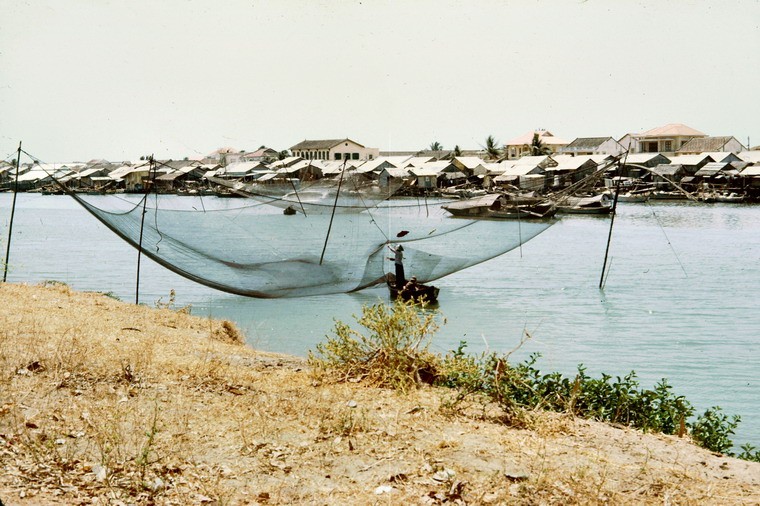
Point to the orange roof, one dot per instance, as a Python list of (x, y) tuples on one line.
[(671, 130), (527, 138)]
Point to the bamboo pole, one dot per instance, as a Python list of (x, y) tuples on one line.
[(13, 211)]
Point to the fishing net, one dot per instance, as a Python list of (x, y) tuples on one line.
[(351, 194), (330, 245)]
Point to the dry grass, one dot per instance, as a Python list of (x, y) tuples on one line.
[(102, 402)]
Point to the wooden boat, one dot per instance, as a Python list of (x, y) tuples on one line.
[(634, 196), (668, 195), (225, 193), (427, 294), (502, 206), (597, 204), (733, 198)]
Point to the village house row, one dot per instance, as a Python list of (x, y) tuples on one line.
[(673, 152)]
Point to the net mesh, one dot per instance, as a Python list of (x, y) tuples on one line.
[(245, 247)]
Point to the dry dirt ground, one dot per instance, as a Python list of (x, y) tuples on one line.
[(103, 402)]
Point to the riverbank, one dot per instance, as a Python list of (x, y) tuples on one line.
[(106, 401)]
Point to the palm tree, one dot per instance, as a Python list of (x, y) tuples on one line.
[(537, 147), (492, 148), (436, 146)]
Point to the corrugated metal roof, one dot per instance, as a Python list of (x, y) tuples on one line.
[(750, 156), (666, 169), (751, 170), (641, 158), (425, 171), (471, 162), (588, 142), (417, 161), (705, 144), (691, 159), (519, 170), (398, 172), (713, 168)]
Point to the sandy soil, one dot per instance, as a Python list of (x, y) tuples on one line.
[(103, 402)]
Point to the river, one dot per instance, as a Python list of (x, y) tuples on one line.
[(679, 300)]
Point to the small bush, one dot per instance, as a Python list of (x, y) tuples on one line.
[(394, 354), (713, 429)]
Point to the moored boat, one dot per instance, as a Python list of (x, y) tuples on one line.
[(633, 196), (732, 198), (596, 204), (502, 206)]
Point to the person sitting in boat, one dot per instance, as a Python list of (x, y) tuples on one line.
[(398, 261), (411, 289)]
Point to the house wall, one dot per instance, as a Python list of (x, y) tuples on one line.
[(345, 149), (667, 144)]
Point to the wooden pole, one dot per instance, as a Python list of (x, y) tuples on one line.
[(13, 211), (612, 220), (142, 226), (335, 204)]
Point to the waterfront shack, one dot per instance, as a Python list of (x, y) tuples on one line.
[(570, 169), (584, 146)]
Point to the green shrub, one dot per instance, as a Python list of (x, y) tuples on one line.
[(393, 354), (713, 430)]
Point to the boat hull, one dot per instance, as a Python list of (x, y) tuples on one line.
[(425, 294)]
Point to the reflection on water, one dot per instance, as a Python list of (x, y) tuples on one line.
[(678, 303)]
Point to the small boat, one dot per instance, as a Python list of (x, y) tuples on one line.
[(733, 197), (668, 195), (597, 204), (634, 196), (502, 206), (427, 294), (224, 193)]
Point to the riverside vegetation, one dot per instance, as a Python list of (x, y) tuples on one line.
[(396, 355), (104, 402)]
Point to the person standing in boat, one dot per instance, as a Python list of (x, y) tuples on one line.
[(398, 262)]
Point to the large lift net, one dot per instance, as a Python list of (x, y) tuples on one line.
[(246, 247)]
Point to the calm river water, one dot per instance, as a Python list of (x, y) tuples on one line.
[(679, 301)]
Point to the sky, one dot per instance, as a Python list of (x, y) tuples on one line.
[(87, 79)]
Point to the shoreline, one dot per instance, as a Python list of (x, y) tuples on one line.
[(108, 401)]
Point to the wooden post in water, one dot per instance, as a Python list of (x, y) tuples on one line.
[(142, 226), (612, 221), (335, 204), (13, 211)]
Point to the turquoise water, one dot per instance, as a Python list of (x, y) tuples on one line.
[(679, 300)]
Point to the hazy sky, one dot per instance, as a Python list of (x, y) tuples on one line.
[(119, 79)]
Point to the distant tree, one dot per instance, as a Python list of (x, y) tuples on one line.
[(436, 146), (492, 148), (283, 154), (537, 146), (457, 151)]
